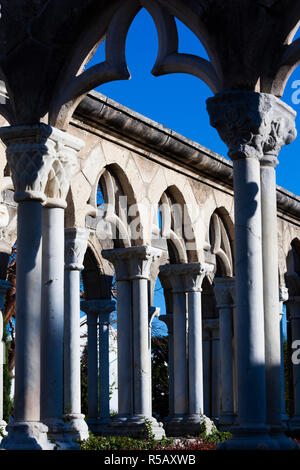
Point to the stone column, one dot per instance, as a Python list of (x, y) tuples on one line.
[(62, 168), (98, 312), (133, 264), (186, 280), (194, 274), (294, 309), (30, 153), (119, 259), (168, 320), (4, 286), (282, 131), (246, 121), (283, 297), (174, 425), (75, 248), (207, 369), (222, 289)]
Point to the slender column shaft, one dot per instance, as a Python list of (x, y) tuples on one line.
[(75, 248), (4, 286), (271, 287), (92, 366), (125, 352), (207, 371), (224, 288), (168, 319), (226, 354), (104, 367), (283, 296), (72, 396), (28, 308), (249, 293), (294, 306), (195, 354), (216, 373), (180, 354), (52, 313), (141, 371)]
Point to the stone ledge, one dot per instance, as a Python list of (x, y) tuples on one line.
[(102, 112)]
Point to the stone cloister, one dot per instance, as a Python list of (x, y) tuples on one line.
[(222, 238)]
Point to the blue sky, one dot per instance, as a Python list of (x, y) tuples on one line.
[(178, 100)]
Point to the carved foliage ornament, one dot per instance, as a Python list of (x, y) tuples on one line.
[(252, 124), (42, 160)]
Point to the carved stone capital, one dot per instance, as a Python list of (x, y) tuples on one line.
[(42, 160), (186, 277), (223, 287), (98, 306), (253, 125), (75, 247), (132, 263)]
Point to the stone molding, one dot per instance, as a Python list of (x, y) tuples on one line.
[(223, 287), (186, 277), (42, 160), (132, 263), (98, 306), (252, 125), (76, 241)]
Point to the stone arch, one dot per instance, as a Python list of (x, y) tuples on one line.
[(221, 242), (113, 27), (120, 205), (96, 276)]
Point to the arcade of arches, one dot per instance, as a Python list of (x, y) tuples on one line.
[(90, 186)]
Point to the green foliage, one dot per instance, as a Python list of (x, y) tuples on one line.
[(215, 437), (8, 404), (125, 443), (160, 376)]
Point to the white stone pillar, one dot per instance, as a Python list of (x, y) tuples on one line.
[(75, 248), (119, 259), (294, 309), (138, 263), (207, 369), (283, 297), (4, 286), (98, 318), (186, 280), (30, 154), (222, 289), (168, 320), (194, 274), (246, 121), (63, 166), (282, 122)]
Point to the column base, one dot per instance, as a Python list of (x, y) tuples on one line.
[(249, 438), (188, 425), (97, 425), (3, 431), (227, 420), (294, 423), (284, 442), (26, 436), (78, 427), (59, 433), (135, 427)]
